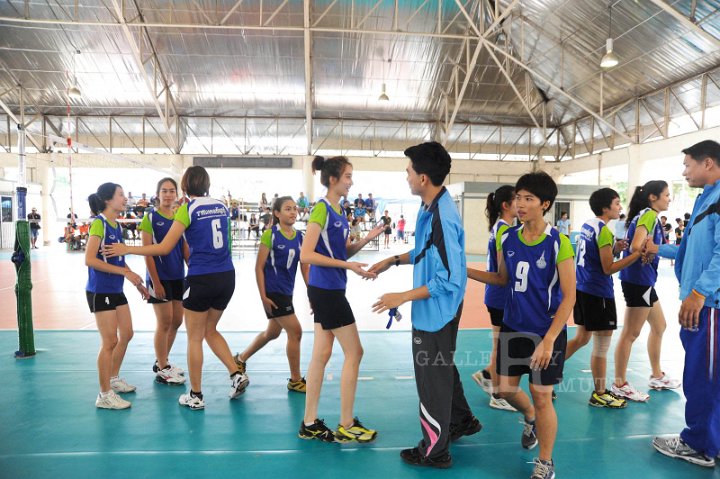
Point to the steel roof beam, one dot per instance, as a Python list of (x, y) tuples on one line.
[(166, 112), (686, 22)]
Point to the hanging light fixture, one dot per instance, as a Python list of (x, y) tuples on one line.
[(383, 93), (383, 96), (74, 90), (609, 60)]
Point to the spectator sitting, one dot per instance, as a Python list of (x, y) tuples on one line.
[(254, 226), (348, 209), (370, 206), (302, 202), (355, 230)]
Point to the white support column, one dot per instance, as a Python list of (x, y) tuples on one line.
[(636, 162), (308, 179), (47, 212)]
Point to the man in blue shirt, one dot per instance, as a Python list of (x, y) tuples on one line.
[(697, 268), (439, 279)]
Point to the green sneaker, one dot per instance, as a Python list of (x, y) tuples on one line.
[(607, 399), (357, 432)]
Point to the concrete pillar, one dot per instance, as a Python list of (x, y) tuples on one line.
[(47, 212), (636, 164), (308, 179)]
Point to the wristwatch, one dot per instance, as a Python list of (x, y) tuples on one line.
[(397, 260)]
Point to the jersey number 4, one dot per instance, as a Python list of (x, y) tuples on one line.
[(217, 234)]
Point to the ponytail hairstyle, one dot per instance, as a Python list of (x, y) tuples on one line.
[(98, 200), (277, 207), (641, 197), (331, 167), (495, 200)]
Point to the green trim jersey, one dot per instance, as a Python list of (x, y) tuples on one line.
[(495, 296), (100, 281), (281, 265), (591, 279), (171, 266), (207, 223), (641, 273), (332, 243), (533, 278)]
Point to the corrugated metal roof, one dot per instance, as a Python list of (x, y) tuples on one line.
[(259, 71)]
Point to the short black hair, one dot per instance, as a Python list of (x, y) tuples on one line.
[(539, 184), (704, 149), (431, 159), (601, 199)]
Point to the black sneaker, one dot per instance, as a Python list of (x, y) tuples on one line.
[(529, 439), (468, 427), (318, 430), (415, 458)]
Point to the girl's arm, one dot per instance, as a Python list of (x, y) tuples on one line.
[(353, 248), (542, 356), (92, 261), (161, 249), (263, 253), (610, 266), (308, 255), (151, 267), (496, 279)]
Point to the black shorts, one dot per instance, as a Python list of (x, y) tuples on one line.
[(594, 313), (284, 305), (105, 301), (496, 316), (388, 231), (638, 296), (330, 307), (174, 289), (206, 291), (515, 350)]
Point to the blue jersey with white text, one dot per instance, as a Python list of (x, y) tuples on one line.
[(281, 265), (171, 266), (591, 278), (208, 235), (495, 296), (533, 279), (640, 273), (100, 281), (332, 243)]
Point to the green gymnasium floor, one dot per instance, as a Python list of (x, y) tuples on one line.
[(51, 428)]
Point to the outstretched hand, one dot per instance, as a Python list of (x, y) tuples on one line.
[(388, 301), (380, 267), (359, 269), (115, 249)]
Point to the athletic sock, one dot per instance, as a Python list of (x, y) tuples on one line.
[(198, 395), (486, 374)]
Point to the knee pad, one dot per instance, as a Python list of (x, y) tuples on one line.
[(601, 345)]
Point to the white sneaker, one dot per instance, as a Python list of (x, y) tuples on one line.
[(502, 404), (177, 370), (111, 401), (169, 376), (119, 385), (240, 382), (664, 382), (629, 392), (193, 402), (484, 383)]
